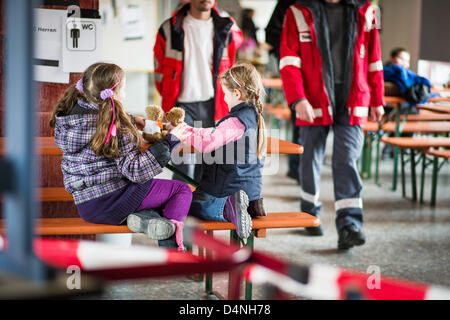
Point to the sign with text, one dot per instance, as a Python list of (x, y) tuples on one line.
[(47, 32), (81, 39)]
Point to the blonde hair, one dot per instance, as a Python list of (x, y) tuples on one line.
[(96, 78), (245, 78)]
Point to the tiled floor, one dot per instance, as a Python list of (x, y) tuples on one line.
[(405, 239)]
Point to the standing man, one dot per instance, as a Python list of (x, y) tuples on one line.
[(192, 48), (333, 78)]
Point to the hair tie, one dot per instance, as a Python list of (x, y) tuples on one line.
[(79, 85), (109, 93), (234, 79)]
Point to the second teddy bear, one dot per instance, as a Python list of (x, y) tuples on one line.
[(154, 129)]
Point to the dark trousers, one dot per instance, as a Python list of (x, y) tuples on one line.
[(294, 159), (347, 146), (201, 115)]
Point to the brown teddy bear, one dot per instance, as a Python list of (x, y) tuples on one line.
[(152, 131), (155, 129), (175, 116)]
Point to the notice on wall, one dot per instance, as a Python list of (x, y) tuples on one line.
[(81, 43), (133, 22), (47, 31)]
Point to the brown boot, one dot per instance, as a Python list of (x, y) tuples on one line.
[(256, 208)]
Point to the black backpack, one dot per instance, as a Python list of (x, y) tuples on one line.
[(417, 93)]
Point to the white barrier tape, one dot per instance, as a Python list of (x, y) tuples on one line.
[(103, 256), (437, 293)]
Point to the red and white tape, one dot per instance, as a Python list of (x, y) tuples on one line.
[(330, 283)]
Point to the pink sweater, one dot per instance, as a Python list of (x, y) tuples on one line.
[(206, 140)]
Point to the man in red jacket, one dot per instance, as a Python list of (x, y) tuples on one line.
[(192, 48), (330, 64)]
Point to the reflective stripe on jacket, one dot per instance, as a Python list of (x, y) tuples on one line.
[(306, 67)]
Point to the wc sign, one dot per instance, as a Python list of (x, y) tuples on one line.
[(81, 41), (81, 35)]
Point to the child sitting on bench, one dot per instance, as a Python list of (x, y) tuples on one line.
[(110, 177), (235, 149)]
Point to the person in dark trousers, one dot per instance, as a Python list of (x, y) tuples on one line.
[(192, 48), (330, 64)]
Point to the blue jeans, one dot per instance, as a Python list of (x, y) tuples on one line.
[(207, 207)]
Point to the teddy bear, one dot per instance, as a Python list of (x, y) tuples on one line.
[(155, 129)]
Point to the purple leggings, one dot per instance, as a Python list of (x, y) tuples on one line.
[(174, 196)]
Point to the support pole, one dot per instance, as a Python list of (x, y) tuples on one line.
[(20, 208)]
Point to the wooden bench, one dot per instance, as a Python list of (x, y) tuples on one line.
[(411, 126), (436, 154), (54, 194), (435, 108), (433, 127), (414, 145), (77, 226), (426, 115)]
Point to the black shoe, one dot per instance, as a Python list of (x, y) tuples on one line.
[(256, 208), (314, 231), (350, 236)]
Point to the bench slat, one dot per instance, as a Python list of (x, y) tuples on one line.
[(439, 153), (417, 143), (77, 226), (412, 127)]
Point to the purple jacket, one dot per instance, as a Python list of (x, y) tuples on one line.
[(87, 176)]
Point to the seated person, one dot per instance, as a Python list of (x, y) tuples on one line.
[(414, 88)]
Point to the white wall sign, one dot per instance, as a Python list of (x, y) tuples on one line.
[(81, 40), (47, 31)]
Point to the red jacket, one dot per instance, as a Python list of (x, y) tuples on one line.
[(305, 62), (168, 53)]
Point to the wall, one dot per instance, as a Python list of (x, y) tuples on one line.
[(400, 27), (434, 39)]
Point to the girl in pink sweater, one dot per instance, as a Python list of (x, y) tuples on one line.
[(234, 152)]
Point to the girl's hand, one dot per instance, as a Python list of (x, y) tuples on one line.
[(140, 122), (181, 131)]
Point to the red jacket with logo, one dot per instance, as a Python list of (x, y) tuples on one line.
[(305, 61), (168, 51)]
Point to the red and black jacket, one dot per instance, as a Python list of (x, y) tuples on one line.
[(168, 53), (306, 63)]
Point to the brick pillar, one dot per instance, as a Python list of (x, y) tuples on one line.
[(47, 95)]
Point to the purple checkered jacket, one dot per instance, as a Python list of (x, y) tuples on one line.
[(87, 176)]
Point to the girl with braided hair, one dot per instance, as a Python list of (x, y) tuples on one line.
[(234, 151)]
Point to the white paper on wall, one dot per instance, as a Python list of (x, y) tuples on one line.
[(47, 31)]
